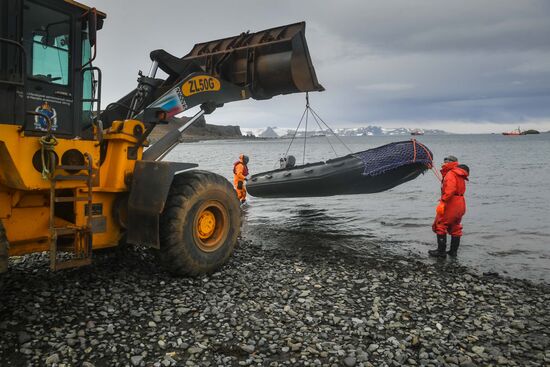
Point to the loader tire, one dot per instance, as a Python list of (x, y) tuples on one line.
[(3, 250), (200, 223)]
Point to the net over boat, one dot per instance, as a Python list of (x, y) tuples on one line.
[(369, 171)]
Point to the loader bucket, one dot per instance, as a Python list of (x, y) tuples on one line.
[(266, 63)]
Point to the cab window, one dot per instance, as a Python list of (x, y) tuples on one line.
[(48, 30), (87, 83)]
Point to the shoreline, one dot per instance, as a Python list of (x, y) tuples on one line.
[(198, 138), (271, 307)]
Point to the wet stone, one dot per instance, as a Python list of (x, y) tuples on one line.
[(54, 358), (376, 310), (136, 360), (350, 361), (248, 348)]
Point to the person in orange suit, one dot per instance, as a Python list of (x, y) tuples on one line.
[(240, 171), (451, 206)]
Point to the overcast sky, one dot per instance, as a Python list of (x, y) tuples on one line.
[(461, 66)]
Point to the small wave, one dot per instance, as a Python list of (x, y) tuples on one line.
[(309, 213), (513, 252), (408, 218), (533, 233), (402, 224), (490, 236)]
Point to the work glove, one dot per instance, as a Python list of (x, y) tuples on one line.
[(440, 209)]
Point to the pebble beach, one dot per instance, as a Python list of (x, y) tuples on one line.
[(270, 308)]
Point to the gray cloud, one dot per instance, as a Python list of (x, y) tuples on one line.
[(434, 26), (380, 61)]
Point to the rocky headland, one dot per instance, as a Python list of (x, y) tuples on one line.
[(200, 130)]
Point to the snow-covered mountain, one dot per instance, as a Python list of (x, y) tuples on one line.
[(371, 130), (264, 132), (377, 130)]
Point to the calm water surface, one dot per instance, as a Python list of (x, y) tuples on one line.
[(506, 227)]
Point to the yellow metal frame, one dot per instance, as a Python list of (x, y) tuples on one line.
[(24, 193)]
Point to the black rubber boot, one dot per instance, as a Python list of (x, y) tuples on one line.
[(441, 246), (455, 242)]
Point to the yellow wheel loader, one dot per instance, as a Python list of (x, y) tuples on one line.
[(75, 177)]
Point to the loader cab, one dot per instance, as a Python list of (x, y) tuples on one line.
[(46, 53)]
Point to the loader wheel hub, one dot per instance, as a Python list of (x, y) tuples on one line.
[(207, 224), (211, 226)]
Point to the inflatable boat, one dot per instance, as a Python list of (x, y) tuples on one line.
[(364, 172)]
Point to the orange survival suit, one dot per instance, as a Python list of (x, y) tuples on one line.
[(452, 205), (240, 171)]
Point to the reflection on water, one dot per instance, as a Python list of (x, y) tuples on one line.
[(508, 196), (306, 228)]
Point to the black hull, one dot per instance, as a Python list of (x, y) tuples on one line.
[(343, 176)]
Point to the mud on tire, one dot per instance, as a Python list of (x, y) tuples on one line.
[(200, 223)]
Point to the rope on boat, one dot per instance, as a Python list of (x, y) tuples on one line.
[(427, 160), (429, 154), (330, 129), (317, 118), (295, 132), (328, 140)]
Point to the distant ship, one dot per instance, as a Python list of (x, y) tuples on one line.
[(516, 132), (417, 132)]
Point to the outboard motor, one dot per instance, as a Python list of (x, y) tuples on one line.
[(288, 161)]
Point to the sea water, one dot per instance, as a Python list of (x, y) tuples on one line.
[(506, 226)]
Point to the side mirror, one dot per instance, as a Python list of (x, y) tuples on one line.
[(92, 26), (154, 115)]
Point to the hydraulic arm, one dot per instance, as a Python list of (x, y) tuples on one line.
[(257, 65)]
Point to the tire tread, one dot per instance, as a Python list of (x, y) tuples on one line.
[(178, 256)]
